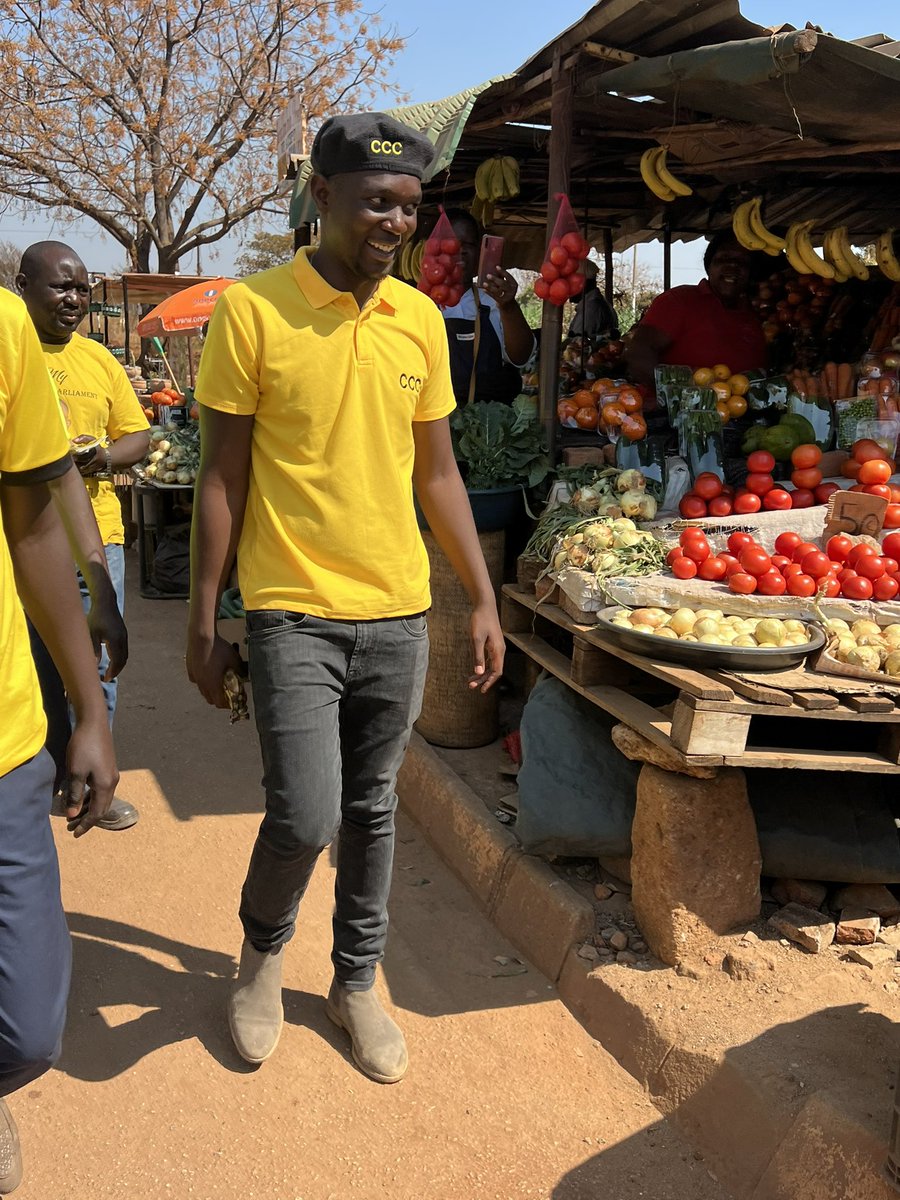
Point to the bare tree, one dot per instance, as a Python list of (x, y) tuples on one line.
[(9, 265), (156, 118), (264, 250)]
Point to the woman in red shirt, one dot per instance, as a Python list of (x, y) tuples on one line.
[(702, 324)]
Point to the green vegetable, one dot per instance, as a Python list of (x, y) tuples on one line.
[(781, 440), (801, 425), (753, 440), (498, 446)]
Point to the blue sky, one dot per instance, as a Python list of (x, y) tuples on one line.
[(451, 47)]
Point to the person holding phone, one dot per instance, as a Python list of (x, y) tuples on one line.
[(490, 340)]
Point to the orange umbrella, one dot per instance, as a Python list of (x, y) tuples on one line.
[(186, 311)]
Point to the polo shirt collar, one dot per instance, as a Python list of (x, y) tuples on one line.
[(319, 292)]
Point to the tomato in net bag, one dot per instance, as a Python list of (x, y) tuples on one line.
[(441, 274), (560, 278)]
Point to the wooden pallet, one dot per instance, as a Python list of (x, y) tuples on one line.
[(710, 718)]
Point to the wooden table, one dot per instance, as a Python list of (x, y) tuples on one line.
[(697, 732)]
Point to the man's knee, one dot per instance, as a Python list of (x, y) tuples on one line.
[(28, 1055)]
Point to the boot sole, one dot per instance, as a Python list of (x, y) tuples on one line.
[(336, 1020), (246, 1057)]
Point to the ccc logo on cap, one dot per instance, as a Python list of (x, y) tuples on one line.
[(378, 147), (411, 383)]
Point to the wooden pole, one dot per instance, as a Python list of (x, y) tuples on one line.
[(126, 357), (667, 256), (560, 155), (608, 268)]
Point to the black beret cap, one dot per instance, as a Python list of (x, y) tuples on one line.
[(370, 142)]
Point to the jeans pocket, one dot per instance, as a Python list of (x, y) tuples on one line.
[(262, 622), (416, 626)]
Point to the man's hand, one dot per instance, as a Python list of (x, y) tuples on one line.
[(107, 628), (207, 660), (91, 763), (501, 287), (489, 647)]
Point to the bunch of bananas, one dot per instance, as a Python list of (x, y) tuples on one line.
[(657, 176), (409, 263), (885, 256), (497, 178), (750, 230), (843, 257), (803, 256)]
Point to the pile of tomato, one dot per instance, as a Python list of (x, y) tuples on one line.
[(441, 273), (611, 407), (871, 471), (560, 280), (797, 568), (710, 497)]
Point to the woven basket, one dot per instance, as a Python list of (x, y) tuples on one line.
[(454, 715)]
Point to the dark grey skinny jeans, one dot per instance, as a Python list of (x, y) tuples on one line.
[(335, 703)]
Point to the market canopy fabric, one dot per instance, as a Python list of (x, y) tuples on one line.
[(186, 311)]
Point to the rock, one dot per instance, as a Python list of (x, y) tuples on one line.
[(589, 953), (856, 928), (691, 970), (619, 940), (625, 958), (890, 935), (805, 926), (745, 964), (874, 897), (799, 891), (616, 873), (873, 956), (639, 946), (639, 749), (695, 862), (750, 938), (602, 892), (608, 933)]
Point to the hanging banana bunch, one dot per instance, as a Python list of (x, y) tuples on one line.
[(658, 178), (803, 256), (885, 256), (846, 262), (497, 178), (750, 230), (409, 262)]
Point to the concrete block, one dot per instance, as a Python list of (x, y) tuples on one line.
[(805, 926)]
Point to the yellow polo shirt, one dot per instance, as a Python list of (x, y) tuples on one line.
[(329, 527), (33, 448), (96, 398)]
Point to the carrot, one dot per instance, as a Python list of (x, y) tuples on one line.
[(843, 388), (831, 376)]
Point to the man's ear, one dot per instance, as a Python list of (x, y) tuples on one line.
[(21, 281), (320, 187)]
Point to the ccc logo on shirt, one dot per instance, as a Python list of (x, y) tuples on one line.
[(378, 147), (410, 383)]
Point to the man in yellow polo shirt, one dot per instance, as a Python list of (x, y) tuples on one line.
[(324, 392), (97, 400), (36, 571)]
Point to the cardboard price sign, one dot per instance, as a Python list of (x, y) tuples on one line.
[(856, 514)]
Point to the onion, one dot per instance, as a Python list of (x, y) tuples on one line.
[(705, 626), (666, 632), (866, 657), (770, 632), (711, 639), (744, 639), (863, 626), (682, 620), (648, 616), (892, 664)]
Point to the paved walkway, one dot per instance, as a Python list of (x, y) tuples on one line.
[(506, 1096)]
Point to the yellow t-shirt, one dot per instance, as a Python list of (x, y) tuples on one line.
[(33, 447), (96, 398), (329, 527)]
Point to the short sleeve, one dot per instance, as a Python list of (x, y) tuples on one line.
[(228, 378), (125, 414), (436, 398), (33, 442), (667, 313)]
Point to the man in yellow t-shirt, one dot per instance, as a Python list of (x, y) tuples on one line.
[(97, 400), (324, 392), (36, 573)]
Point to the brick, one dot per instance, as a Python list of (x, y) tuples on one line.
[(805, 926), (799, 891), (873, 956), (856, 928), (874, 897)]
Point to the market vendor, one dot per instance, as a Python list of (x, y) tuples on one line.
[(97, 399), (703, 324), (487, 317)]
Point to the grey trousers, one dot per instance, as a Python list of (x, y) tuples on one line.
[(335, 703)]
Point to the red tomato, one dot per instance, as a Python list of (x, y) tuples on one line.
[(698, 550), (712, 568), (780, 561), (892, 517), (777, 500), (839, 547), (730, 561), (758, 483), (885, 588), (587, 417), (857, 487), (801, 585), (747, 502), (824, 492), (760, 462), (857, 588), (692, 532), (878, 489), (810, 478), (830, 587), (870, 566), (865, 450), (737, 541), (785, 542), (450, 245), (558, 256), (874, 470), (895, 493), (559, 292), (692, 507), (802, 498), (792, 569), (742, 583), (755, 561), (773, 583), (566, 409), (707, 486), (817, 564), (850, 468), (573, 243), (684, 568), (675, 552), (860, 551), (801, 550), (891, 566), (720, 506), (806, 456), (847, 573), (891, 545)]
